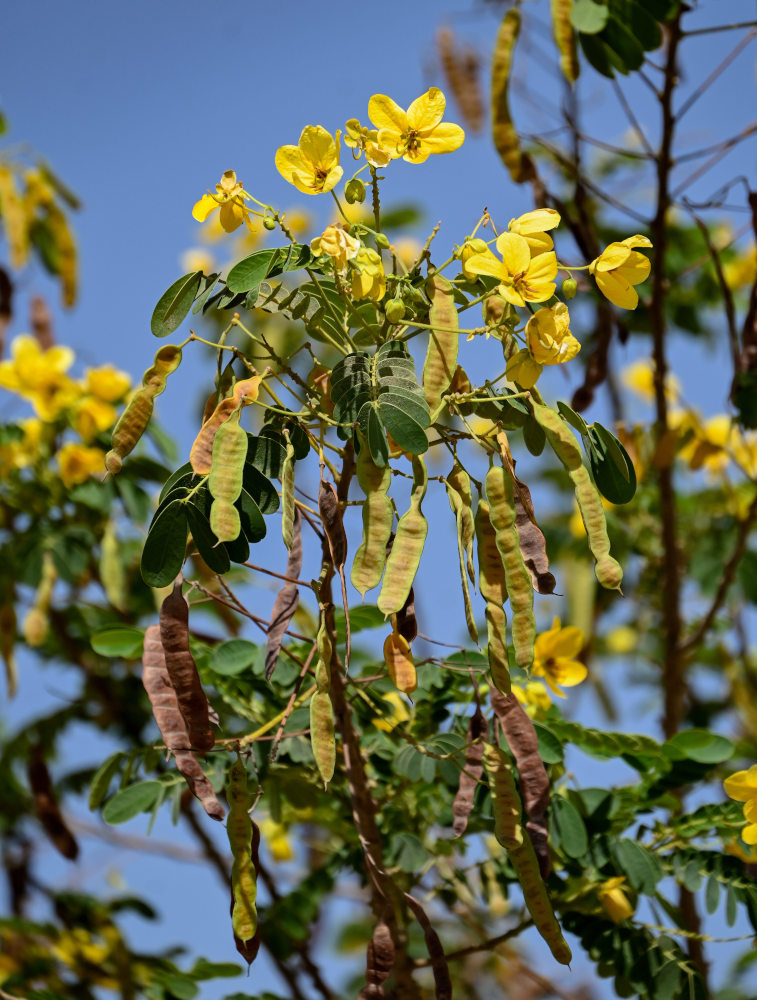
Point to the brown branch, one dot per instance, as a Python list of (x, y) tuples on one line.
[(488, 945), (146, 845), (280, 576)]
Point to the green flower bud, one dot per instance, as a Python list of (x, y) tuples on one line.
[(354, 191), (382, 241), (395, 310), (569, 288), (269, 223)]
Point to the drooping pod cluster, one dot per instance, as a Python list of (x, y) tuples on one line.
[(133, 421), (405, 557), (499, 493), (240, 830), (461, 502), (322, 732), (443, 342), (201, 454), (562, 441), (493, 589), (378, 518)]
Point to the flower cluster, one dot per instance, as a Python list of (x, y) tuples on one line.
[(87, 406), (742, 786)]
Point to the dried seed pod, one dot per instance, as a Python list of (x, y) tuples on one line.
[(378, 518), (333, 528), (405, 556), (443, 341), (226, 477), (532, 544), (201, 453), (470, 776), (608, 570), (399, 662), (46, 805), (185, 680), (379, 962), (491, 584), (286, 601), (439, 967), (505, 136), (506, 806), (461, 70), (240, 830), (499, 493), (405, 621)]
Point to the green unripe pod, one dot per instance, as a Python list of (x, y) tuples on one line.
[(569, 288), (354, 191), (395, 310)]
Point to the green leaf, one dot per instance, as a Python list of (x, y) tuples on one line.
[(209, 283), (260, 489), (121, 640), (247, 275), (534, 437), (102, 778), (163, 554), (206, 543), (266, 453), (571, 828), (640, 865), (620, 41), (642, 25), (699, 745), (598, 54), (712, 894), (611, 465), (362, 617), (575, 420), (588, 17), (550, 748), (408, 852), (203, 969), (175, 303), (183, 477), (253, 525), (748, 575), (233, 657), (131, 801)]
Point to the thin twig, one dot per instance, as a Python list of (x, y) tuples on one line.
[(719, 69), (279, 576), (473, 949)]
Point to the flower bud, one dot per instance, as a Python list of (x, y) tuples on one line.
[(269, 223), (354, 191), (569, 288), (382, 241), (395, 310)]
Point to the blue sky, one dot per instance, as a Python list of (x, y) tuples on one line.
[(140, 107)]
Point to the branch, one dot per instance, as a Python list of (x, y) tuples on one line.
[(488, 945)]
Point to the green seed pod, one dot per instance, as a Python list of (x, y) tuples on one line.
[(504, 132), (354, 191), (405, 557), (569, 288), (608, 570), (443, 342), (506, 807), (395, 310), (378, 518), (526, 865), (565, 37), (112, 572), (322, 734), (460, 510), (225, 479), (244, 915), (502, 512), (167, 360), (287, 494), (129, 429), (491, 584)]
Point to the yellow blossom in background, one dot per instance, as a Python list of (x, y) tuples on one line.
[(77, 463), (708, 445), (534, 697), (22, 453), (197, 259), (534, 226), (549, 338), (614, 901), (276, 838), (418, 132), (368, 278), (365, 140), (92, 416), (554, 657), (336, 243), (742, 272), (522, 279), (298, 221), (107, 383), (618, 268), (639, 378), (407, 250), (229, 197), (622, 639), (40, 376), (312, 165), (213, 231), (745, 452), (397, 713)]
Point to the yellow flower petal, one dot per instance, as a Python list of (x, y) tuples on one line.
[(523, 369), (232, 216), (318, 147), (446, 138), (612, 256), (742, 785), (204, 207), (515, 253), (615, 288), (541, 220), (387, 114), (288, 160), (485, 263), (749, 834), (426, 111)]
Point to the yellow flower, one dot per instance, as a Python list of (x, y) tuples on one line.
[(534, 698), (534, 226), (639, 378), (107, 383), (742, 785), (522, 368), (554, 657), (365, 140), (397, 714), (198, 259), (407, 250), (745, 453), (749, 833), (229, 197), (622, 639), (276, 838), (336, 243), (20, 454), (522, 279), (418, 132), (549, 338), (708, 447), (91, 416), (77, 463), (616, 904), (472, 247), (742, 272), (618, 268), (313, 165), (368, 278), (40, 376)]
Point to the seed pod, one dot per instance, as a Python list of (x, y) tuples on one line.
[(566, 39), (532, 775), (287, 494), (403, 561), (379, 962), (378, 518), (443, 341), (239, 827), (505, 136), (185, 680), (333, 528), (286, 601), (225, 479), (322, 734), (537, 900), (533, 546), (499, 493), (14, 219), (461, 512), (65, 249), (37, 621), (46, 805), (491, 584), (459, 480), (129, 429), (167, 359), (201, 454), (439, 967), (472, 773), (399, 662), (112, 574), (608, 570), (505, 802), (405, 621)]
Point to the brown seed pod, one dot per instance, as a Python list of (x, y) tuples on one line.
[(405, 621), (532, 544), (185, 680), (333, 528), (439, 967), (46, 805), (471, 776), (461, 70), (201, 453), (379, 962), (286, 601)]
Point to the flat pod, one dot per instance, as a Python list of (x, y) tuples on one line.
[(533, 545), (286, 601), (537, 900), (471, 774), (46, 805), (322, 734), (399, 663), (405, 557), (287, 495), (491, 584), (443, 341), (226, 478), (239, 828), (129, 428), (378, 518), (503, 130), (504, 797), (465, 528)]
